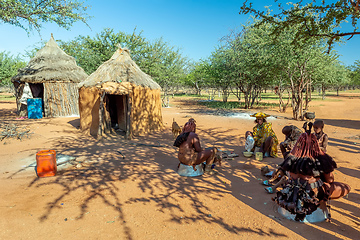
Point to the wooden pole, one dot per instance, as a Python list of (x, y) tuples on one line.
[(101, 112), (128, 117)]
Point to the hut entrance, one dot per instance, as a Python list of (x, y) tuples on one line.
[(37, 90), (116, 105)]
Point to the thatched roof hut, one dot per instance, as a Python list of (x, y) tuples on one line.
[(118, 95), (53, 76)]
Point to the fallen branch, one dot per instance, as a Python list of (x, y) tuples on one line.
[(13, 131)]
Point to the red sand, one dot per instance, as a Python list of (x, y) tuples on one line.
[(142, 197)]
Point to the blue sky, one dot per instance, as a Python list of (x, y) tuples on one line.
[(194, 26)]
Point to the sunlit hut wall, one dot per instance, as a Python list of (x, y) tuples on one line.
[(118, 92), (53, 76)]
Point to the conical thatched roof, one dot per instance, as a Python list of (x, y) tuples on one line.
[(51, 64), (120, 68)]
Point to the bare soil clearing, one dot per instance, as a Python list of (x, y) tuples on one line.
[(142, 196)]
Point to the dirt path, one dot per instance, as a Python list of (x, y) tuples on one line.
[(142, 197)]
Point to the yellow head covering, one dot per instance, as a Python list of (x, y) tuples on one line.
[(260, 115)]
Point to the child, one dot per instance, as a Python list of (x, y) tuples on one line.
[(320, 135)]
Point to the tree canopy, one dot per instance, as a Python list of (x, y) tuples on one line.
[(250, 61), (312, 19), (31, 14), (163, 62), (354, 74)]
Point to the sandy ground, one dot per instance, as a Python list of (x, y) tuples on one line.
[(142, 196)]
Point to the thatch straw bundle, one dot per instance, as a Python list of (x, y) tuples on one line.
[(55, 75), (120, 68), (51, 64)]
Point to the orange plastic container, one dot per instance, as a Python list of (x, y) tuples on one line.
[(46, 163)]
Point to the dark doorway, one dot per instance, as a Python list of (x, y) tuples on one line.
[(37, 90), (117, 107)]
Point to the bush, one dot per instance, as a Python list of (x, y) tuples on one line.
[(9, 66)]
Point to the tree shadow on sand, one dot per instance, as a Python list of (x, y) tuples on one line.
[(350, 172), (6, 114), (345, 123), (344, 145), (153, 171)]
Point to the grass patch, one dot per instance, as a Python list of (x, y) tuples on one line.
[(7, 98)]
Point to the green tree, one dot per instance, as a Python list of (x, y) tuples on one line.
[(340, 78), (164, 63), (31, 14), (310, 19), (220, 71), (301, 65), (91, 52), (9, 66), (198, 76), (330, 74), (249, 58), (354, 74)]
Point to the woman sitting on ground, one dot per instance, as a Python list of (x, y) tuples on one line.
[(311, 178), (190, 151), (292, 133), (264, 135)]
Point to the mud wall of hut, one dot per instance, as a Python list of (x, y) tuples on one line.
[(60, 99), (146, 113), (145, 116), (89, 102)]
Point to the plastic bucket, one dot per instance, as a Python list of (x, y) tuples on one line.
[(188, 171), (259, 156), (46, 163), (34, 107), (319, 215)]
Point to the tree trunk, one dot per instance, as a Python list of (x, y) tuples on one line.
[(225, 95), (197, 88), (247, 100)]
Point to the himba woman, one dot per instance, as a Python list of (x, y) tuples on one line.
[(190, 151), (264, 135), (311, 178)]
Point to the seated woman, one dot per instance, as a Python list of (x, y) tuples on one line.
[(292, 133), (264, 135), (311, 178), (190, 151)]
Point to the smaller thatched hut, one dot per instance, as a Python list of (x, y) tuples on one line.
[(53, 76), (119, 94)]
